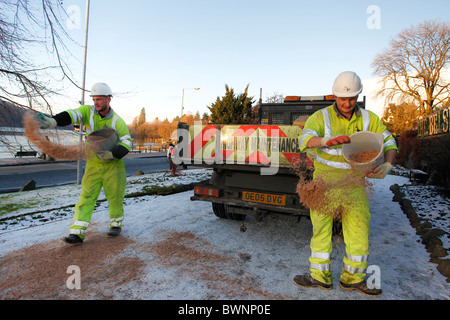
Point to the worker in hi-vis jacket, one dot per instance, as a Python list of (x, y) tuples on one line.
[(323, 135), (105, 169)]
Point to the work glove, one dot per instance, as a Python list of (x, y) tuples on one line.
[(46, 122), (381, 171), (334, 141), (105, 156)]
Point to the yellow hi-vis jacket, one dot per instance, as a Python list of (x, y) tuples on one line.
[(93, 121), (328, 122)]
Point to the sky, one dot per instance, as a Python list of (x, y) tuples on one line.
[(149, 51)]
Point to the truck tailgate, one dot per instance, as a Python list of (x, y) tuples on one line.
[(259, 145)]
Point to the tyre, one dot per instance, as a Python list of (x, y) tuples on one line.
[(221, 211)]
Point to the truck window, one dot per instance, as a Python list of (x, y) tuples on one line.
[(276, 118)]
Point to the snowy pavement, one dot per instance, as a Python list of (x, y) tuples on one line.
[(172, 248)]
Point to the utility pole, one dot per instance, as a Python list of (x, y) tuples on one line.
[(182, 102), (84, 84)]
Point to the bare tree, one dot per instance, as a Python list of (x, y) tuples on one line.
[(28, 26), (275, 98), (411, 67)]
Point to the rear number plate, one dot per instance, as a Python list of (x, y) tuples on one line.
[(266, 198)]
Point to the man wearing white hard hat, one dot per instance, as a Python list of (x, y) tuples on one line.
[(105, 168), (323, 135)]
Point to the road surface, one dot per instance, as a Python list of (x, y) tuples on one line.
[(46, 174)]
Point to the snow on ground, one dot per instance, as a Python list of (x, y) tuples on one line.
[(430, 204), (173, 248)]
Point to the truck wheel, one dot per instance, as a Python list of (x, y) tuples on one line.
[(221, 211)]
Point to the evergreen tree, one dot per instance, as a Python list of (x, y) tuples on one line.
[(231, 108), (142, 119), (197, 116)]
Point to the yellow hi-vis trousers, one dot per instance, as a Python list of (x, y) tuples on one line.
[(112, 177), (353, 203)]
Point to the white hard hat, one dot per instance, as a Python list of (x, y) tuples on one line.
[(347, 85), (101, 89)]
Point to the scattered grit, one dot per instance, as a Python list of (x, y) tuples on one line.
[(40, 271), (108, 265), (363, 157), (314, 193), (58, 151)]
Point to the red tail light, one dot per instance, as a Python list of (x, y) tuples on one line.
[(204, 191)]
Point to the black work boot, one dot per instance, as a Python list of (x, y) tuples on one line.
[(73, 239), (114, 232), (306, 281), (362, 288)]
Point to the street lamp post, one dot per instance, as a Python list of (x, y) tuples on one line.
[(84, 83), (182, 102)]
